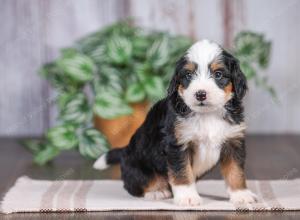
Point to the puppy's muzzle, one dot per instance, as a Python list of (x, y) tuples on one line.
[(201, 95)]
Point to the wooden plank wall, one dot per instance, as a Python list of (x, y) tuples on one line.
[(32, 32)]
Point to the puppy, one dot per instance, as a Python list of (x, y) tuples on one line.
[(199, 124)]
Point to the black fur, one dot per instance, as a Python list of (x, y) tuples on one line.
[(153, 150), (238, 78), (234, 149), (114, 156), (180, 76), (175, 81)]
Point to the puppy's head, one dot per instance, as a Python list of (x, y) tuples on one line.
[(207, 77)]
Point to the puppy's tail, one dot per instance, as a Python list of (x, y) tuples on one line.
[(111, 157)]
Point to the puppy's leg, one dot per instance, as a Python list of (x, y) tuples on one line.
[(181, 178), (140, 181), (134, 177), (157, 189), (232, 169)]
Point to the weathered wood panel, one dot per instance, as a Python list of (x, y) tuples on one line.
[(22, 100), (280, 22), (198, 19), (32, 33)]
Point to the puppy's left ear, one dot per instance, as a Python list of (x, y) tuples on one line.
[(239, 80), (173, 84), (175, 79)]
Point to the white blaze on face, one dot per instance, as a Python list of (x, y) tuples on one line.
[(203, 53)]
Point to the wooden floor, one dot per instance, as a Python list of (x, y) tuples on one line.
[(269, 157)]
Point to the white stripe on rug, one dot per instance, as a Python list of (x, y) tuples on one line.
[(79, 199), (47, 199)]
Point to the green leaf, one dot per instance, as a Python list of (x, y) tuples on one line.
[(68, 52), (88, 43), (34, 146), (135, 93), (248, 70), (109, 104), (63, 98), (142, 70), (63, 137), (253, 51), (99, 55), (92, 144), (168, 72), (46, 155), (140, 45), (154, 87), (110, 77), (264, 56), (252, 47), (56, 76), (158, 54), (78, 67), (76, 109), (119, 49)]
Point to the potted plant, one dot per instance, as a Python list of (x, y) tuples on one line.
[(107, 81)]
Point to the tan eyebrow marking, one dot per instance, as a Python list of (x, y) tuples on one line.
[(190, 66), (216, 65)]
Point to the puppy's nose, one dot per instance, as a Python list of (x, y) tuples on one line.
[(201, 95)]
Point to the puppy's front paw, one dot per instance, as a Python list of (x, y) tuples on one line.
[(188, 200), (158, 195), (242, 197)]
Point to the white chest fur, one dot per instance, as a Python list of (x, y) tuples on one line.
[(207, 132)]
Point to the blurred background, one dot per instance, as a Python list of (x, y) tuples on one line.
[(33, 32)]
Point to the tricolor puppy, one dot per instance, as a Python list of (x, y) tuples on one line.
[(198, 125)]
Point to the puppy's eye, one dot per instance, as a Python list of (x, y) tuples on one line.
[(189, 76), (218, 75)]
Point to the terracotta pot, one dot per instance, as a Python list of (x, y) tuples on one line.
[(119, 131)]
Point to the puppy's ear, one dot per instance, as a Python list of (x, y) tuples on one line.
[(173, 86), (239, 80)]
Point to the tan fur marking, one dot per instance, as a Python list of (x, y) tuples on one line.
[(177, 129), (180, 89), (178, 134), (216, 65), (190, 66), (158, 183), (233, 174), (228, 89)]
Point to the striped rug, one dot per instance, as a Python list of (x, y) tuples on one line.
[(28, 195)]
